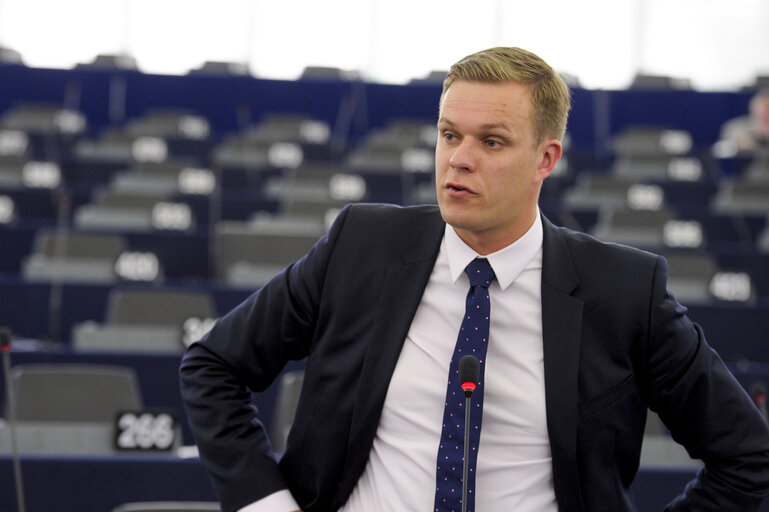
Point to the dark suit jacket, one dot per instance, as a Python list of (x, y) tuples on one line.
[(614, 340)]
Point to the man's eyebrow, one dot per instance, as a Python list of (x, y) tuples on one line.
[(486, 126), (492, 126)]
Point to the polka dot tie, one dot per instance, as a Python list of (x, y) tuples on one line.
[(472, 340)]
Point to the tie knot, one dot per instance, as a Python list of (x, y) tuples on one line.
[(480, 272)]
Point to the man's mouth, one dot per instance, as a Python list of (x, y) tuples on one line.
[(456, 189)]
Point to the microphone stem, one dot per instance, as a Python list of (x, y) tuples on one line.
[(11, 402), (466, 460)]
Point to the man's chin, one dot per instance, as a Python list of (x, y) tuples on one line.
[(459, 222)]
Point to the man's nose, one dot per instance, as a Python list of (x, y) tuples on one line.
[(464, 157)]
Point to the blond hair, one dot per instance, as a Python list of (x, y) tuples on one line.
[(550, 94)]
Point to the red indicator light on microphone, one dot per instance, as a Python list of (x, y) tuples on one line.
[(469, 372), (5, 340)]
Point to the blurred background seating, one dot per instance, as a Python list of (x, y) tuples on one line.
[(125, 236)]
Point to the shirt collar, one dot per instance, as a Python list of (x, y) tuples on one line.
[(508, 262)]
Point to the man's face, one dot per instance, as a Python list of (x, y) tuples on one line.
[(489, 165)]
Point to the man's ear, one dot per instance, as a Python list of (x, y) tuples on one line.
[(550, 152)]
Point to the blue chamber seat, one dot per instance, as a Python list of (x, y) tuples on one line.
[(398, 161), (169, 123), (249, 254), (159, 135), (149, 320), (645, 153), (287, 397), (654, 82), (744, 194), (72, 256), (131, 211), (319, 182), (401, 146), (221, 68), (742, 198), (110, 61), (278, 141), (43, 119), (763, 238), (20, 172), (594, 190), (41, 132), (315, 193), (167, 178), (699, 277), (643, 228), (69, 409)]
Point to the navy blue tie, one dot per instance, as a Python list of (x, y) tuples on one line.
[(472, 340)]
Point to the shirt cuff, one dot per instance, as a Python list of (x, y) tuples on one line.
[(281, 501)]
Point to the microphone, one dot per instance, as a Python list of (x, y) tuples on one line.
[(5, 348), (758, 394), (469, 372)]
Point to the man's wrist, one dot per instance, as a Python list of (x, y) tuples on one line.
[(280, 501)]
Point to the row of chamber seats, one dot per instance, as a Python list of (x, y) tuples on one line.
[(244, 205), (163, 200)]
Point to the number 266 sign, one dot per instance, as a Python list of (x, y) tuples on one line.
[(145, 431)]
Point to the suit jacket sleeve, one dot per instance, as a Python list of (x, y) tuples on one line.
[(244, 352), (706, 410)]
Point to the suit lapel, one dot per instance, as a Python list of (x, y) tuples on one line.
[(561, 330), (405, 283)]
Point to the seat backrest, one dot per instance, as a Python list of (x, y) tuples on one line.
[(43, 118), (651, 141), (240, 243), (289, 388), (79, 245), (690, 275), (751, 190), (763, 239), (112, 199), (138, 306), (640, 219), (696, 266), (74, 392)]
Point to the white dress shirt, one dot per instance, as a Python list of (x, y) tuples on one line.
[(514, 465)]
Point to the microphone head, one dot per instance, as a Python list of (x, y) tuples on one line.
[(5, 338), (469, 372), (758, 391)]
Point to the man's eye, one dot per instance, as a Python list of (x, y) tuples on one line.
[(492, 143)]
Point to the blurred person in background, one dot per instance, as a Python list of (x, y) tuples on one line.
[(748, 135)]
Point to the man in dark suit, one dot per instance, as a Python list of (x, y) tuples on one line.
[(584, 337)]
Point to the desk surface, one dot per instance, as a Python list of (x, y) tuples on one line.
[(98, 484)]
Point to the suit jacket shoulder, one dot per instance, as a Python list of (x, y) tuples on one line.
[(387, 226), (571, 257)]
